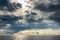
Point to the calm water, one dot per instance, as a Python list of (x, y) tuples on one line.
[(36, 37)]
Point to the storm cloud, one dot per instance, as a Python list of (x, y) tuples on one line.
[(50, 7), (47, 8), (41, 16), (8, 6), (55, 16)]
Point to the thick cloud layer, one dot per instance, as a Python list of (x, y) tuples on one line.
[(55, 16), (50, 7), (8, 6), (47, 8), (42, 15)]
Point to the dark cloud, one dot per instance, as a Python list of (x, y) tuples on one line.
[(39, 6), (33, 13), (7, 5), (55, 16), (50, 8), (10, 18), (31, 20), (31, 17), (34, 20), (47, 7), (54, 7), (58, 1)]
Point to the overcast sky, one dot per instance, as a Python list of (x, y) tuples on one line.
[(36, 15)]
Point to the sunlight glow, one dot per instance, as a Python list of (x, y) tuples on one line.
[(24, 3)]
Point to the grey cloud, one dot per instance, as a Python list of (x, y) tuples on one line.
[(47, 8), (30, 18), (50, 8), (10, 18), (47, 5), (55, 16), (7, 5)]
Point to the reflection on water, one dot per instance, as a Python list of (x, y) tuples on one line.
[(36, 37), (6, 37)]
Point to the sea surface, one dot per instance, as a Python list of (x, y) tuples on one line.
[(31, 37)]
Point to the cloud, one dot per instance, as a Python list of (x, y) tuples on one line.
[(43, 16), (50, 7), (47, 5), (47, 8), (31, 17), (6, 5), (10, 18), (55, 16), (39, 6)]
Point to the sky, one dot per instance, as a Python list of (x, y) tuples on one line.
[(29, 14)]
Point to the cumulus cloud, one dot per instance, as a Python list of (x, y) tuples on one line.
[(7, 5), (50, 12), (43, 15)]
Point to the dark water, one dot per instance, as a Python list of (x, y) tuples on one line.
[(36, 37), (6, 37)]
